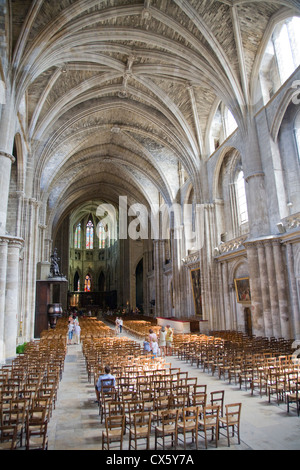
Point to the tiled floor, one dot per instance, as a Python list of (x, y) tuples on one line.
[(75, 423)]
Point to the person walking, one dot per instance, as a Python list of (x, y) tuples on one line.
[(77, 331), (121, 324), (70, 332)]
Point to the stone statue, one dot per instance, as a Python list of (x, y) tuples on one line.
[(54, 268)]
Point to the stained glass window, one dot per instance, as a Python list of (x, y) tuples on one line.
[(87, 283), (77, 238), (89, 235), (102, 235)]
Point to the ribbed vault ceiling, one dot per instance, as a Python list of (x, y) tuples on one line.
[(120, 92)]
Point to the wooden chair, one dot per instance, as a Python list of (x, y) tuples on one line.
[(130, 408), (17, 418), (188, 424), (181, 401), (8, 437), (141, 430), (259, 381), (199, 388), (167, 427), (161, 403), (294, 397), (276, 385), (199, 400), (106, 398), (115, 408), (217, 398), (36, 435), (232, 420), (210, 422), (37, 414), (114, 432), (235, 369), (148, 398)]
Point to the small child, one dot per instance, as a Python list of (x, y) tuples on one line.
[(154, 349), (146, 346)]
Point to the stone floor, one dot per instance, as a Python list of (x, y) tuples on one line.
[(75, 422)]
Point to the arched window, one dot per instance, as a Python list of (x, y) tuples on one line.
[(89, 235), (87, 283), (223, 125), (230, 123), (76, 282), (281, 58), (241, 198), (77, 237), (286, 40), (102, 235)]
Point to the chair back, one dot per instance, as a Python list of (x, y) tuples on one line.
[(233, 413)]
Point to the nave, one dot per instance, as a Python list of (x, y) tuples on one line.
[(76, 425)]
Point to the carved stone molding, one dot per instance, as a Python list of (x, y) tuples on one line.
[(7, 155), (11, 241), (191, 259), (232, 245)]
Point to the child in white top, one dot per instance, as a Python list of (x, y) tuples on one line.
[(154, 349)]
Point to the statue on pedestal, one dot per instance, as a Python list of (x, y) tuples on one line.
[(54, 268)]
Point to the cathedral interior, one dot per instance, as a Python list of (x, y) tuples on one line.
[(154, 147)]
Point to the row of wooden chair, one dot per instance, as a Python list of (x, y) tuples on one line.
[(173, 423), (28, 392), (266, 365)]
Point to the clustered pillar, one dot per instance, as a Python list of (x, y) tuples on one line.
[(269, 288), (9, 295)]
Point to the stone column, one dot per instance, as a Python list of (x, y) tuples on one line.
[(219, 324), (12, 297), (20, 214), (293, 291), (158, 246), (3, 269), (6, 161), (264, 281), (146, 300), (255, 182), (30, 267), (226, 296), (273, 290), (282, 290), (258, 326)]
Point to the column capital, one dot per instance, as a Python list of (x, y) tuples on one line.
[(34, 202), (3, 241), (11, 241), (7, 155)]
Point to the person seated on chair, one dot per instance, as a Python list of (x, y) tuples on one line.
[(104, 381)]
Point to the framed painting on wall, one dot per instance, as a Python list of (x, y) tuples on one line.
[(196, 286), (242, 289)]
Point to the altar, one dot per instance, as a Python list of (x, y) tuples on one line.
[(191, 325), (178, 326)]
